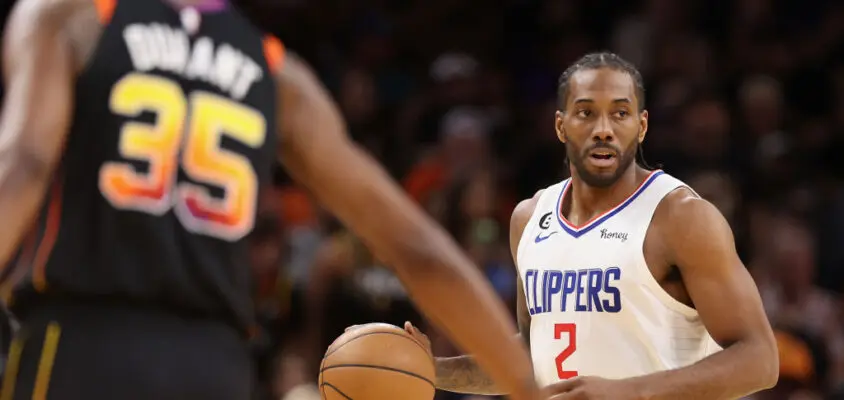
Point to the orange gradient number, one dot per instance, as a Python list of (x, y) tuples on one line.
[(204, 161), (157, 144), (198, 141)]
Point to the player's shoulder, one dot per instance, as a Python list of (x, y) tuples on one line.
[(524, 210), (520, 218), (683, 204), (294, 77), (683, 215)]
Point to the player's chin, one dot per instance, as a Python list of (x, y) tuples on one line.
[(600, 177), (603, 171)]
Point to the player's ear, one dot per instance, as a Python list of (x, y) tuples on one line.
[(643, 125), (558, 126)]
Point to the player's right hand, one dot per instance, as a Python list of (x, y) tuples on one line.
[(530, 391), (419, 336)]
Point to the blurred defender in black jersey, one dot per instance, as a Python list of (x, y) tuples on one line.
[(135, 137)]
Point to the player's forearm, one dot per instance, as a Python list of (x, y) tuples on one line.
[(39, 77), (457, 298), (739, 370), (463, 375), (22, 187)]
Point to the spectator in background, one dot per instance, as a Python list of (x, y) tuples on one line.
[(293, 379), (462, 149), (790, 296), (348, 286), (801, 363), (475, 211), (277, 310), (704, 137), (763, 121), (454, 79)]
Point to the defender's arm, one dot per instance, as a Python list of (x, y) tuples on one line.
[(461, 374), (728, 302), (38, 71), (317, 152)]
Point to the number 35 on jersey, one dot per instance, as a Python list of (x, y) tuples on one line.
[(187, 133)]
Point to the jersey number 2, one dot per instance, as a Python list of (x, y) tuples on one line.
[(187, 132), (571, 330)]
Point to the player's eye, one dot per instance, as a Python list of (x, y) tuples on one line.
[(621, 114), (584, 113)]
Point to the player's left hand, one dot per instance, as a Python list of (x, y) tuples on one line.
[(592, 388), (419, 336)]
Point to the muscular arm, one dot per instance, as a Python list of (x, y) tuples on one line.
[(38, 72), (727, 300), (317, 152), (461, 374)]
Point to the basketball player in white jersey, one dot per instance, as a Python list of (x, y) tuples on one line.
[(629, 283)]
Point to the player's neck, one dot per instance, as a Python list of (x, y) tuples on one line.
[(585, 201)]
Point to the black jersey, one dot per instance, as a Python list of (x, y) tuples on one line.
[(173, 133)]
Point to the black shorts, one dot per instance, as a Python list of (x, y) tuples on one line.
[(67, 351)]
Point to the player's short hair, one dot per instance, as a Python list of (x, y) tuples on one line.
[(596, 61)]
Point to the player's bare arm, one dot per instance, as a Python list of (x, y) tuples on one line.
[(694, 236), (461, 374), (317, 152), (700, 242), (44, 47)]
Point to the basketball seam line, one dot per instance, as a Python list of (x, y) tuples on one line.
[(401, 371), (381, 333), (335, 389), (322, 380)]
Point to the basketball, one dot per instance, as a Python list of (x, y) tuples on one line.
[(376, 362)]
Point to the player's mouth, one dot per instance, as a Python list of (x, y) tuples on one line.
[(602, 158)]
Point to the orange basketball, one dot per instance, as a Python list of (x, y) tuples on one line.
[(376, 362)]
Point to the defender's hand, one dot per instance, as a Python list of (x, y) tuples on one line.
[(419, 336), (592, 388)]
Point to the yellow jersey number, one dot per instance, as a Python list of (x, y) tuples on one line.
[(187, 132)]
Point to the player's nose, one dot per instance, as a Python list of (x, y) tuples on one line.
[(602, 130)]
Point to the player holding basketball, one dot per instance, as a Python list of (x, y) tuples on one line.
[(624, 273), (150, 126)]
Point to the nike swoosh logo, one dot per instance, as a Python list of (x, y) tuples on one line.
[(540, 238)]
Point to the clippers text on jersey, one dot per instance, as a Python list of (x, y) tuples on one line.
[(583, 290)]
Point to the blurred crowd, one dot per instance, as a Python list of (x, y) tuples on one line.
[(457, 99)]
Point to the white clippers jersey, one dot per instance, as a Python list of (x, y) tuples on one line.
[(595, 307)]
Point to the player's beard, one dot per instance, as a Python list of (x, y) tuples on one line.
[(577, 158)]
